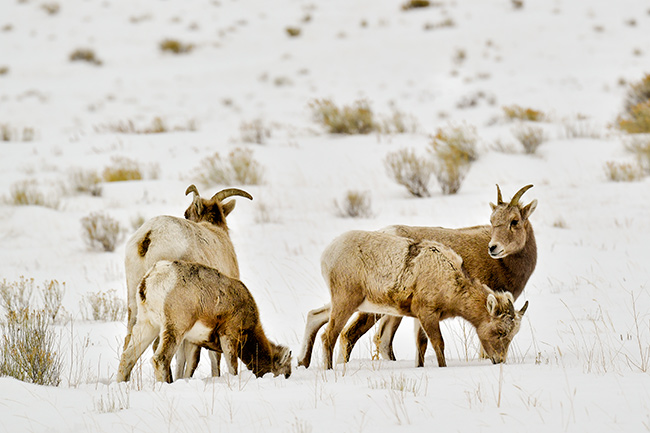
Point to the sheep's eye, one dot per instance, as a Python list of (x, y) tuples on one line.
[(514, 223)]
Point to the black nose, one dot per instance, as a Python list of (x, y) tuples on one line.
[(493, 248)]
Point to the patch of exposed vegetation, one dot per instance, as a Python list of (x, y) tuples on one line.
[(636, 118), (357, 118), (85, 55), (174, 46), (410, 170)]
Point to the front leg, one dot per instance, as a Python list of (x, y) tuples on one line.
[(420, 343), (230, 352), (431, 326)]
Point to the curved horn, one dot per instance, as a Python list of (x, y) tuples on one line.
[(511, 309), (517, 196), (499, 198), (523, 309), (229, 192), (192, 188)]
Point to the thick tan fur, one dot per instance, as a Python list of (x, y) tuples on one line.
[(509, 272), (378, 272), (202, 237), (181, 300)]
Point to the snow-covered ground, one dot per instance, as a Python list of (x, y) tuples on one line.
[(581, 359)]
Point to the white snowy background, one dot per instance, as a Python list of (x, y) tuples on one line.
[(581, 359)]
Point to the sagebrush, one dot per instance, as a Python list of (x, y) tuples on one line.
[(622, 171), (100, 231), (29, 348), (239, 167), (355, 204), (530, 137), (357, 118), (410, 170), (636, 117), (104, 306), (453, 149), (122, 169)]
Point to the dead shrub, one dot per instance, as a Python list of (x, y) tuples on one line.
[(101, 232), (175, 46), (238, 168), (28, 348), (409, 170), (453, 149), (622, 171), (254, 132), (355, 119), (85, 182), (530, 137), (639, 146), (515, 112), (85, 55), (355, 204), (122, 169), (104, 306)]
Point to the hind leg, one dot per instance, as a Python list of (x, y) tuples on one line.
[(315, 320), (338, 318), (386, 334), (351, 334), (142, 336), (162, 358)]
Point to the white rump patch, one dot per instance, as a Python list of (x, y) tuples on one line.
[(198, 334)]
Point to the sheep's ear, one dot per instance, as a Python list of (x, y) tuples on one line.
[(228, 207), (528, 209), (493, 206), (510, 297), (492, 304)]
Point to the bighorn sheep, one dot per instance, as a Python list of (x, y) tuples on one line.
[(201, 237), (188, 301), (502, 255), (376, 272)]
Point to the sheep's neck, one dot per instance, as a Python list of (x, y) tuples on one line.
[(255, 352), (471, 302)]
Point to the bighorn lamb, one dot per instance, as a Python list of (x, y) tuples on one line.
[(376, 272), (502, 255), (201, 237), (188, 301)]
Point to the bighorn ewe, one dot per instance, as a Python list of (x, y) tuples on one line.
[(187, 301), (501, 255), (376, 272), (202, 238)]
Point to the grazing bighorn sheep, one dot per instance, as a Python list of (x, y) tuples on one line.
[(502, 255), (202, 238), (180, 301), (380, 273)]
